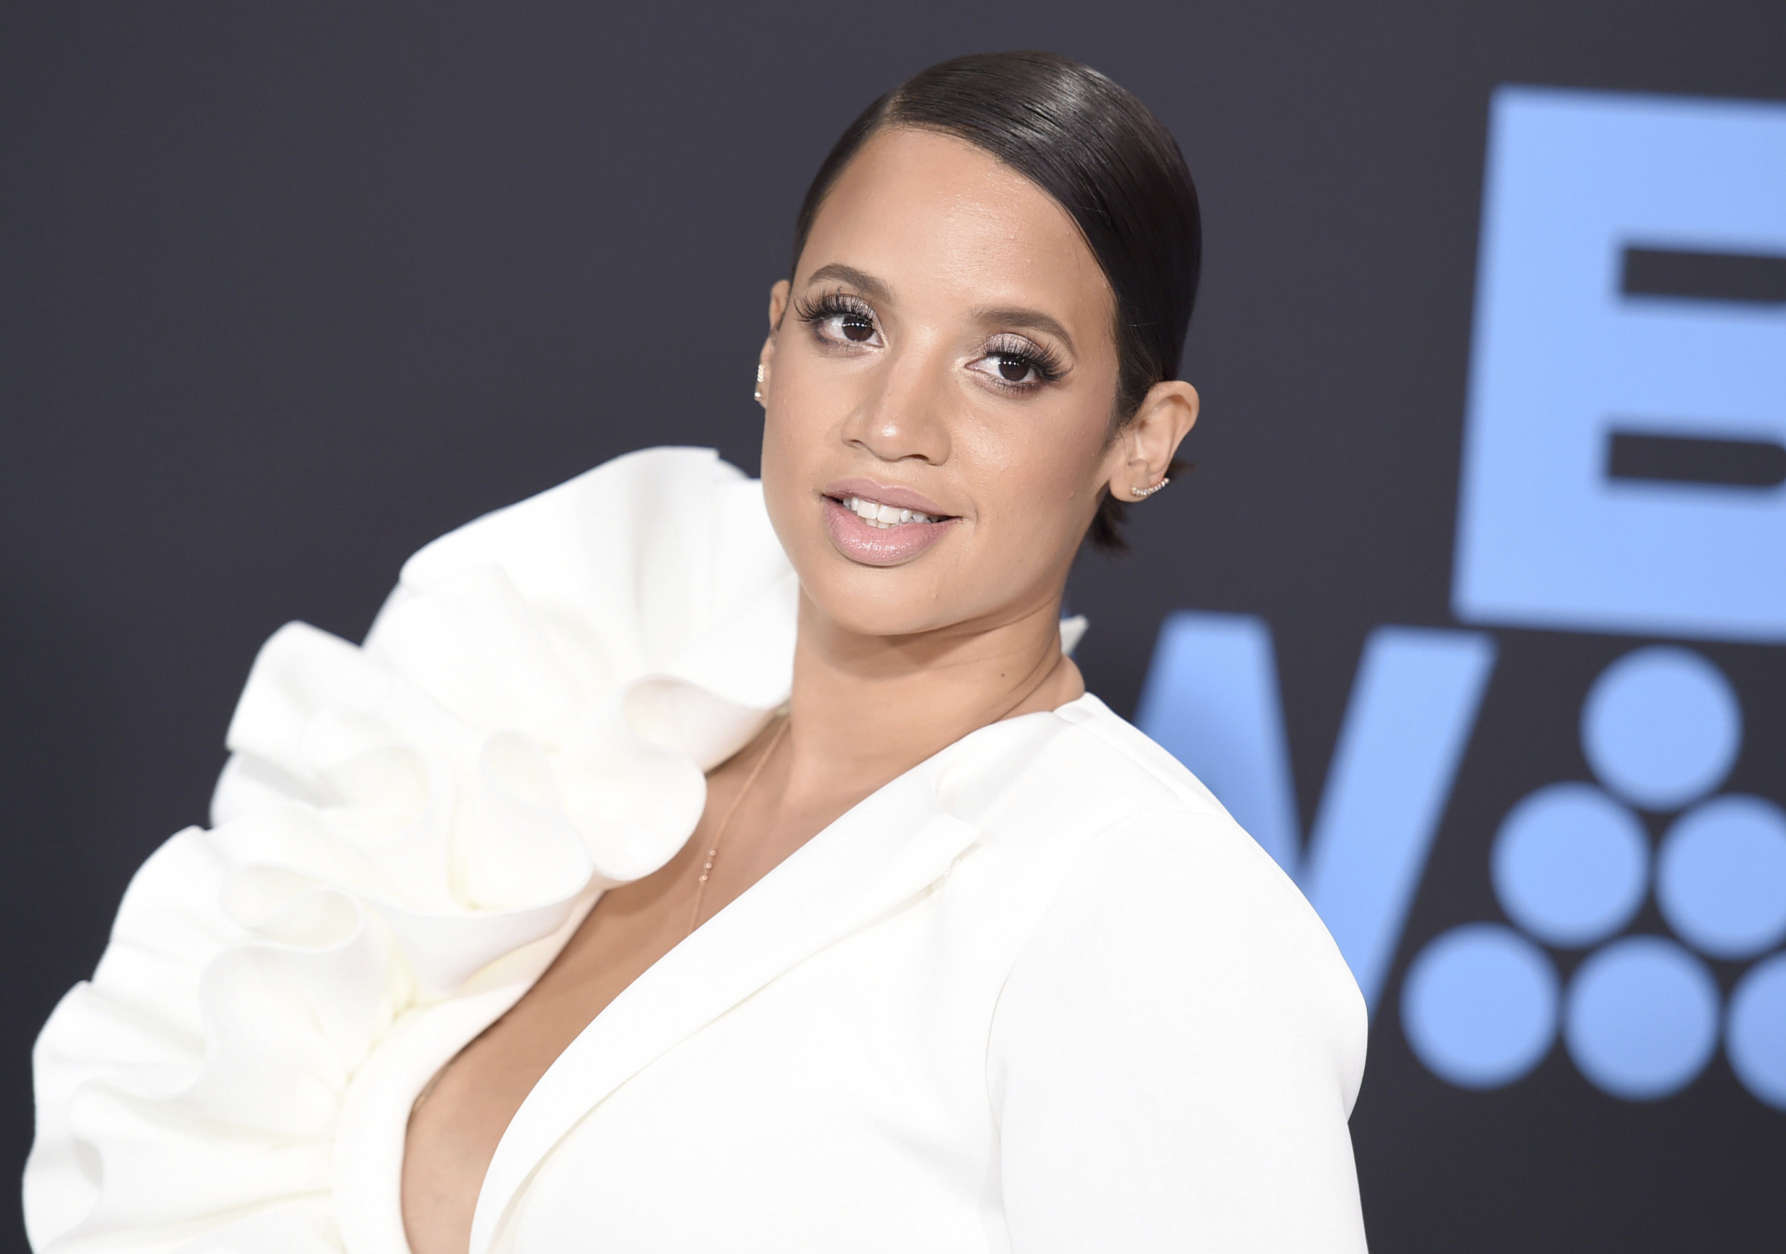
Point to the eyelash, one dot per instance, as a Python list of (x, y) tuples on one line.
[(1045, 362)]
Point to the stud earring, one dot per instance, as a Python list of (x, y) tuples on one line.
[(759, 391), (1149, 491)]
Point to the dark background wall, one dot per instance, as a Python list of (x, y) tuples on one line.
[(290, 289)]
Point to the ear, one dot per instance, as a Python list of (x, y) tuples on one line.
[(778, 303), (1145, 448)]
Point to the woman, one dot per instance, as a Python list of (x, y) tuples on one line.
[(687, 862)]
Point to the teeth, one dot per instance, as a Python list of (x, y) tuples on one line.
[(878, 515)]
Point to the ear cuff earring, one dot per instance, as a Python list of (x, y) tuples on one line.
[(1149, 491), (759, 392)]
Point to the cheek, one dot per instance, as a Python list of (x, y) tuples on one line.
[(806, 381), (1042, 486), (782, 480), (798, 419), (793, 468)]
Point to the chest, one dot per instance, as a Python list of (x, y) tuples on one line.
[(460, 1117), (840, 1106), (830, 1018)]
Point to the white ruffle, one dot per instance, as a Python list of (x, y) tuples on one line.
[(530, 719)]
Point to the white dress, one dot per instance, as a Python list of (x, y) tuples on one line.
[(1040, 994)]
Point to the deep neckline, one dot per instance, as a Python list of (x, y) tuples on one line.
[(1070, 711)]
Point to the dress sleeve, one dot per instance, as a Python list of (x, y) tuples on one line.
[(1175, 1054)]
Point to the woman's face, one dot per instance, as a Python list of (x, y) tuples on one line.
[(937, 293)]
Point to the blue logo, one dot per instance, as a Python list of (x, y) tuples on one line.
[(1624, 472), (1622, 292), (1571, 864)]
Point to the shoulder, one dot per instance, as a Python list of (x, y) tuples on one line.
[(1135, 752), (1176, 1049), (404, 822), (1171, 908), (1165, 816)]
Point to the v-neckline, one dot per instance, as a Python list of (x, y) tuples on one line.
[(486, 1227)]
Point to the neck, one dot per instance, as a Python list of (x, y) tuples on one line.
[(865, 709)]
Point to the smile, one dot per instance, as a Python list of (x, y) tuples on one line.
[(875, 534), (879, 515)]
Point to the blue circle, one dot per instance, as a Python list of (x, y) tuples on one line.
[(1570, 864), (1755, 1039), (1721, 876), (1479, 1005), (1641, 1017), (1661, 727)]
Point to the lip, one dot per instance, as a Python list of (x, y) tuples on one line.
[(868, 545), (885, 493)]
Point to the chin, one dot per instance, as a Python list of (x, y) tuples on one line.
[(873, 601)]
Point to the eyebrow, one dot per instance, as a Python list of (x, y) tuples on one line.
[(1010, 316)]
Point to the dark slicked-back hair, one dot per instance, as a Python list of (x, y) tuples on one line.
[(1106, 159)]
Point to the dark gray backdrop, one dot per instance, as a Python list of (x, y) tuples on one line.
[(290, 289)]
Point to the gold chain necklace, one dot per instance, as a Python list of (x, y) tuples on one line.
[(701, 884)]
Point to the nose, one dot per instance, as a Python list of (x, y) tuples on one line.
[(904, 410)]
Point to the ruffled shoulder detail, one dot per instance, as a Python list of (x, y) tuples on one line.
[(530, 718)]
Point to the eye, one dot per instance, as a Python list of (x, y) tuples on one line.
[(855, 318), (1016, 360), (1019, 365)]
